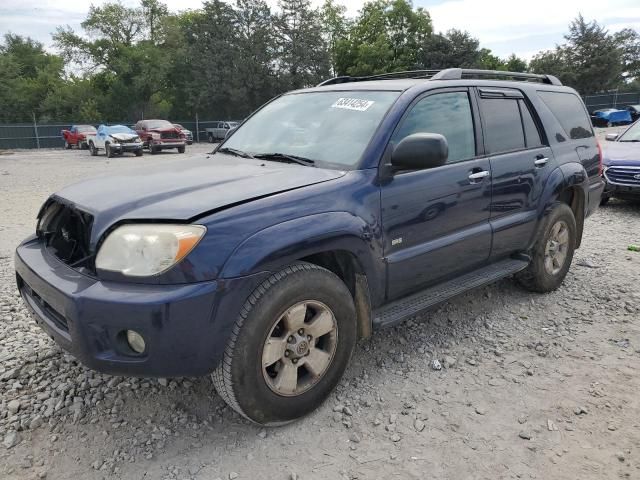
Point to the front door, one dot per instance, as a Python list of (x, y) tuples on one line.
[(436, 221)]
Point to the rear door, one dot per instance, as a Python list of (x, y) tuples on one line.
[(436, 221), (521, 162)]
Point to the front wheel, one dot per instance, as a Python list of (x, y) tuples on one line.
[(93, 149), (181, 149), (138, 153), (67, 145), (553, 252), (108, 151), (604, 200), (289, 346)]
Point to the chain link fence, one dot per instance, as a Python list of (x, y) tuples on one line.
[(612, 99), (48, 135)]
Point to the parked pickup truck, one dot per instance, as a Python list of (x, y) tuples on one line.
[(159, 135), (114, 140), (76, 136), (264, 262), (220, 130)]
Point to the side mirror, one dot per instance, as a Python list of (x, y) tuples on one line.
[(611, 137), (228, 132), (420, 151)]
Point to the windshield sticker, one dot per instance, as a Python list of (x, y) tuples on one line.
[(353, 104)]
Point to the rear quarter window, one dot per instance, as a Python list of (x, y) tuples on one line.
[(570, 113)]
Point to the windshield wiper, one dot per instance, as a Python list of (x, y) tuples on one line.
[(236, 152), (285, 157), (634, 140)]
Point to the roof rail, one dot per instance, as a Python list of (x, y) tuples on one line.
[(459, 73), (382, 76), (447, 74)]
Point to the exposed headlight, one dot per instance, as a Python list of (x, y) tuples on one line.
[(141, 250)]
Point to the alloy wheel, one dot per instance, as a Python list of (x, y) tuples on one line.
[(299, 348)]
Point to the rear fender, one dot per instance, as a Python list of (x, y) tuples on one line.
[(567, 176), (276, 246)]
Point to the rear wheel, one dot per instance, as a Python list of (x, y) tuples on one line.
[(67, 145), (210, 137), (181, 149), (153, 149), (604, 200), (138, 153), (289, 347), (553, 252)]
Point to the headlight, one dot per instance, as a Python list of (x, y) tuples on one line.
[(142, 250)]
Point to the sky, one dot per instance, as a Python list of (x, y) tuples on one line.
[(520, 27)]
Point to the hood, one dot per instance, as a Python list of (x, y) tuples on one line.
[(164, 130), (184, 190), (621, 153), (124, 136)]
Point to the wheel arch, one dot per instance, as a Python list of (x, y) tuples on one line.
[(337, 241)]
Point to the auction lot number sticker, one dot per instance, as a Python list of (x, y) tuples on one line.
[(353, 104)]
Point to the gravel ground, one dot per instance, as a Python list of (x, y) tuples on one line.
[(529, 386)]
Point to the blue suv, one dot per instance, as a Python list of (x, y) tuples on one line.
[(330, 212)]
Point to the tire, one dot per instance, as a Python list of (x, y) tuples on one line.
[(544, 273), (67, 145), (93, 149), (181, 149), (210, 137), (107, 150), (138, 153), (604, 200), (609, 124), (249, 387), (153, 150)]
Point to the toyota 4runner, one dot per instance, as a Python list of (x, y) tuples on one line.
[(330, 212)]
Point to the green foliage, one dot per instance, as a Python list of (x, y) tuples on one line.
[(592, 59), (226, 59)]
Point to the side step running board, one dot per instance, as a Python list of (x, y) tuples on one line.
[(404, 308)]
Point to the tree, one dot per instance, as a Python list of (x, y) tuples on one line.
[(515, 64), (454, 49), (303, 58), (336, 30), (386, 37)]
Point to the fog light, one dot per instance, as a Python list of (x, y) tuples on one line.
[(136, 342)]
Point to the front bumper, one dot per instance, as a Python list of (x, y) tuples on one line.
[(167, 144), (620, 185), (185, 327), (126, 147)]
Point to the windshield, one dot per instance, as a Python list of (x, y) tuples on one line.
[(632, 134), (158, 124), (330, 128), (86, 129), (119, 129)]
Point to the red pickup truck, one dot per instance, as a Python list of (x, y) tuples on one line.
[(77, 135), (160, 135)]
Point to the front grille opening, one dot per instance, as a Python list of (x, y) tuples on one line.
[(66, 233)]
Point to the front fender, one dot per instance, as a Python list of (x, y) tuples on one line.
[(272, 248)]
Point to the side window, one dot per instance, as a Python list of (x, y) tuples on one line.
[(448, 114), (503, 127), (570, 112), (531, 132)]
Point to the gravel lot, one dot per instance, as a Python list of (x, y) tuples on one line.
[(531, 386)]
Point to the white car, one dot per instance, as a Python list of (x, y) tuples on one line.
[(114, 140)]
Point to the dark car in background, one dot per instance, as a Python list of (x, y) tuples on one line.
[(621, 164), (188, 135), (609, 117), (264, 262), (634, 110), (158, 135)]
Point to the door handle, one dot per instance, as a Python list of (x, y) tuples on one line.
[(478, 176), (541, 162)]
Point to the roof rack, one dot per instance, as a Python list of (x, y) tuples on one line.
[(448, 74), (382, 76)]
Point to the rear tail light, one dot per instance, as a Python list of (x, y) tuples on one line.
[(599, 159)]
